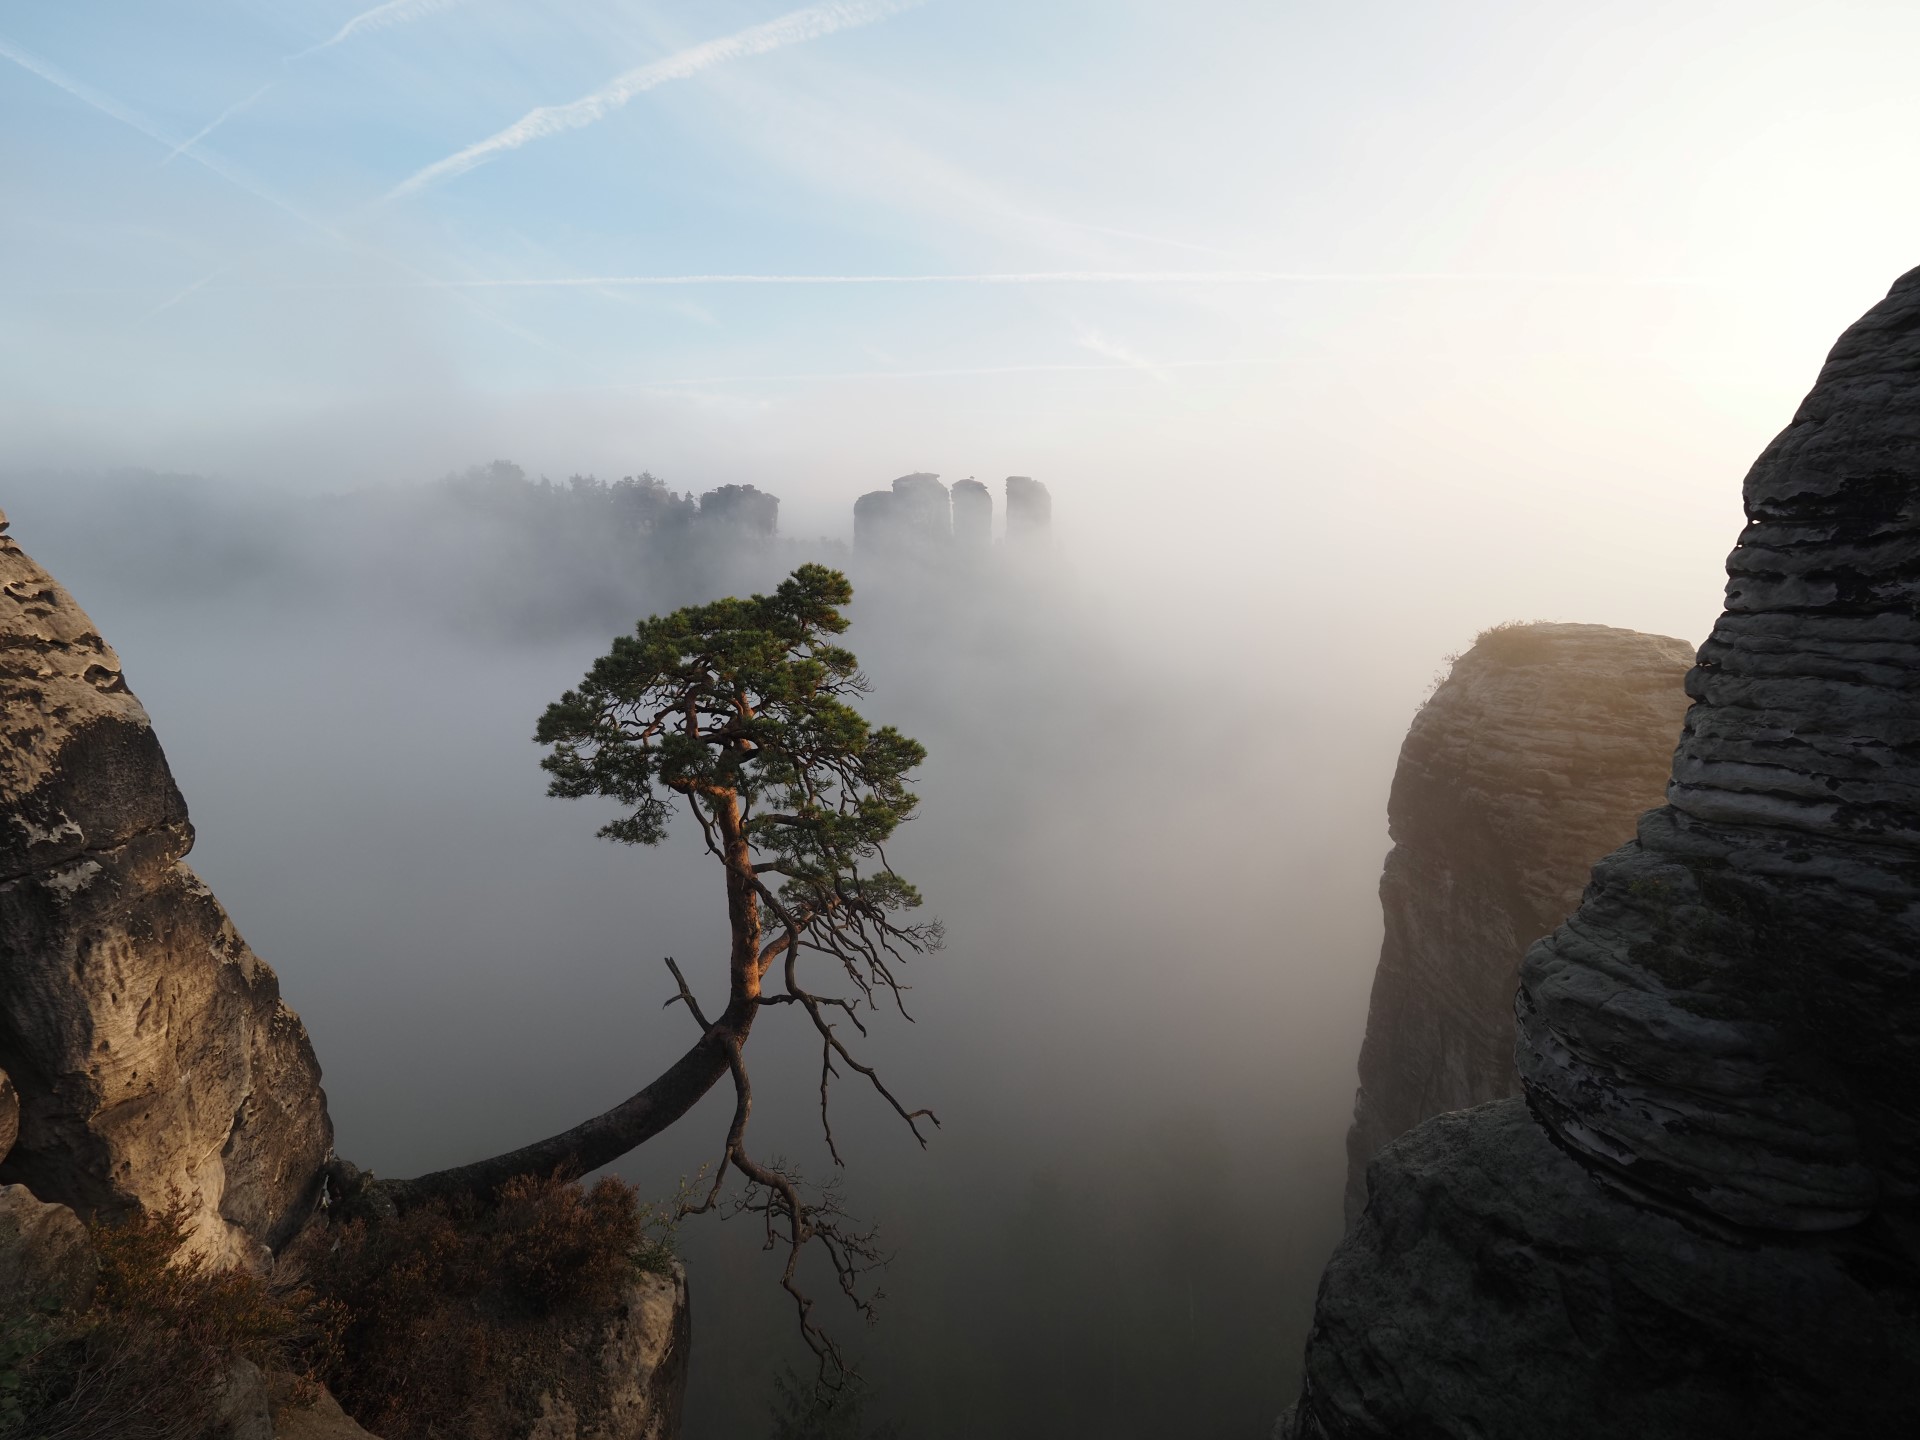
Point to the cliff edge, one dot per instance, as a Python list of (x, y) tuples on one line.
[(1703, 1219), (1531, 760), (154, 1060)]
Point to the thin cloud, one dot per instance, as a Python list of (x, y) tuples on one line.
[(1100, 344), (1069, 277), (812, 23), (963, 372), (380, 17)]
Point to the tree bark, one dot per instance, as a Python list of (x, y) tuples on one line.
[(599, 1141), (638, 1118)]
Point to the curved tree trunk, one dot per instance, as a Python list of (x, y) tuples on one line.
[(596, 1142), (638, 1118)]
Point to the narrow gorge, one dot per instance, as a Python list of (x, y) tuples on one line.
[(1702, 1216)]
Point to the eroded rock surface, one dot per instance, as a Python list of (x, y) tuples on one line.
[(640, 1360), (1496, 1287), (1534, 758), (152, 1055), (47, 1261), (1704, 1219), (9, 1114), (1734, 1017)]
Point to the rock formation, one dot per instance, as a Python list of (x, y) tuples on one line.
[(1703, 1219), (1532, 760), (153, 1058), (744, 508), (1029, 511), (972, 514), (915, 510), (146, 1059), (46, 1260), (640, 1354)]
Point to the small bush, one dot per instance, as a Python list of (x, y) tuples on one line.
[(148, 1359), (460, 1316), (1515, 642)]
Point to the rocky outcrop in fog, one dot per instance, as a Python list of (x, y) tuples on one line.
[(153, 1058), (917, 514), (1701, 1220), (1533, 759), (148, 1065)]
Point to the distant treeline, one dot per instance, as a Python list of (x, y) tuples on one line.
[(632, 505), (488, 550)]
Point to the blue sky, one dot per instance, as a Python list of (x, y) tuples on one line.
[(1465, 261)]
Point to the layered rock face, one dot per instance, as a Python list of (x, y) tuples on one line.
[(1704, 1217), (153, 1058), (1533, 759)]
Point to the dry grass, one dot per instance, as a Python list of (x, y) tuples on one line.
[(447, 1323), (461, 1317), (147, 1360)]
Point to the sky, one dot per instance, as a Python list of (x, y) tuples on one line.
[(319, 243), (1486, 300), (1473, 310)]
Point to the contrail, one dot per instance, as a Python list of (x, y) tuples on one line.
[(791, 29), (394, 12), (962, 372), (217, 121), (1077, 277), (107, 105)]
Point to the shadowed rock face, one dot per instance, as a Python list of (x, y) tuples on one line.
[(151, 1052), (1704, 1219), (1532, 759), (1733, 1019)]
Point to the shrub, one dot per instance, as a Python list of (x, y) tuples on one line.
[(149, 1358), (460, 1316)]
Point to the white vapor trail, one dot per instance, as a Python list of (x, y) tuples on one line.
[(812, 23), (217, 121), (108, 106), (394, 12), (1086, 277)]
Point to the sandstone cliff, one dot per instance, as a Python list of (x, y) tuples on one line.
[(1704, 1217), (1533, 758), (147, 1061), (153, 1058)]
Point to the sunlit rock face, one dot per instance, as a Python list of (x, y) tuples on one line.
[(153, 1059), (1703, 1218), (1533, 759)]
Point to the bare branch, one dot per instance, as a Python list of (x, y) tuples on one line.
[(686, 997)]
